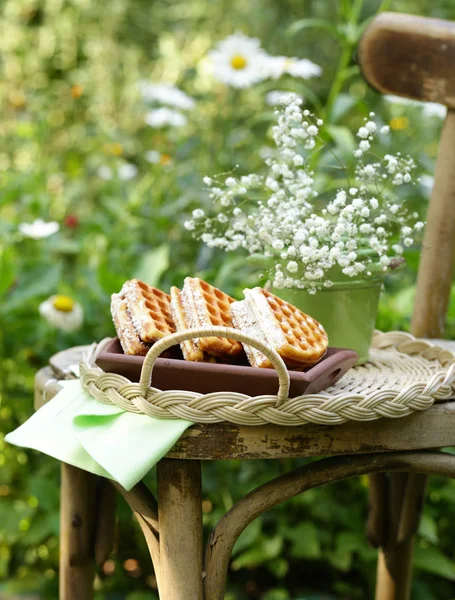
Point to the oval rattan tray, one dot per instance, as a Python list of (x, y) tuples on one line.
[(404, 375)]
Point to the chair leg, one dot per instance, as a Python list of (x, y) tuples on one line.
[(394, 572), (180, 529), (77, 533), (405, 494)]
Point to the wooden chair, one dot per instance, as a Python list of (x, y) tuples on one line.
[(394, 453)]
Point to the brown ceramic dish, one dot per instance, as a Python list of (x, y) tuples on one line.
[(171, 373)]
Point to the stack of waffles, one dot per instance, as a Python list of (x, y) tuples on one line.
[(143, 314)]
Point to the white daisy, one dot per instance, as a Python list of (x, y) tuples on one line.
[(153, 156), (429, 109), (165, 93), (39, 229), (277, 66), (127, 171), (427, 183), (433, 109), (105, 173), (62, 312), (239, 61), (161, 117)]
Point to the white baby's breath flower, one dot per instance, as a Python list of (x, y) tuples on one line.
[(287, 223), (277, 97), (239, 61), (198, 213), (165, 93), (39, 229), (207, 180), (371, 126), (189, 225), (374, 203), (292, 266), (163, 117), (127, 171), (62, 312)]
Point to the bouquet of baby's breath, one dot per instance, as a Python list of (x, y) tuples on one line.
[(358, 232)]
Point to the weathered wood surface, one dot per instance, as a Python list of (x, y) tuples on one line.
[(327, 470), (410, 56), (180, 519), (104, 520), (416, 60), (143, 504), (413, 56), (77, 533), (429, 429), (432, 428), (438, 255), (404, 507)]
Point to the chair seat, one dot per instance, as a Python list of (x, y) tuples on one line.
[(433, 428)]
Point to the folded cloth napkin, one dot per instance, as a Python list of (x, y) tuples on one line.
[(103, 439)]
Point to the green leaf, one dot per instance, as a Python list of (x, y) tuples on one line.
[(303, 24), (342, 105), (7, 271), (432, 560), (152, 265), (248, 537), (305, 541), (268, 550), (343, 138), (428, 529), (37, 283), (110, 281), (347, 543)]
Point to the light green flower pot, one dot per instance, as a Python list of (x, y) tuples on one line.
[(347, 310)]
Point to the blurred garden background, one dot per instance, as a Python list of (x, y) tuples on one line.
[(113, 164)]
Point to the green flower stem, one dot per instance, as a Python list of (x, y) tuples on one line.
[(346, 54)]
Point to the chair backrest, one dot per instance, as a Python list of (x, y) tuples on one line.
[(414, 57)]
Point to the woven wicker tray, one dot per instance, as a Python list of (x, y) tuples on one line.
[(404, 375), (204, 378)]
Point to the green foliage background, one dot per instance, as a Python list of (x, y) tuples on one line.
[(69, 104)]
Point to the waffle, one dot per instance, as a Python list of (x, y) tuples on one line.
[(127, 335), (189, 348), (207, 306), (299, 339), (150, 310)]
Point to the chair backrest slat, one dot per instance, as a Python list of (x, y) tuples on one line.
[(414, 57)]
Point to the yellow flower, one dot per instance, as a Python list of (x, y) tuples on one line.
[(115, 149), (63, 303), (77, 91), (238, 62), (399, 123), (165, 159)]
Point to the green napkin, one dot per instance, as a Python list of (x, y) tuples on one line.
[(103, 439)]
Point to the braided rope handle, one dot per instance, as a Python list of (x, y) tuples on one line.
[(145, 381)]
